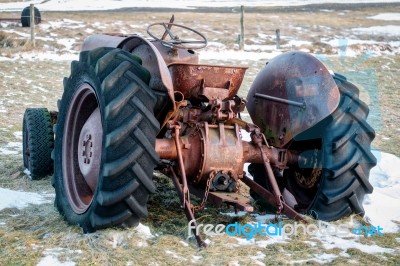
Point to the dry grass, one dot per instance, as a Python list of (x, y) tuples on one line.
[(36, 231)]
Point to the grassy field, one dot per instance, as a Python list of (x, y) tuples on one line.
[(29, 234)]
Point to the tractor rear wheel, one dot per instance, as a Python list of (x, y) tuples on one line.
[(105, 138), (37, 142), (337, 151), (26, 16)]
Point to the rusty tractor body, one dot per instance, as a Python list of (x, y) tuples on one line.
[(132, 105)]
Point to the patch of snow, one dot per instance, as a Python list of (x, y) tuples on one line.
[(144, 231), (40, 89), (216, 45), (27, 172), (319, 258), (389, 30), (265, 36), (207, 241), (386, 16), (325, 258), (260, 243), (196, 259), (184, 243), (117, 239), (347, 42), (51, 260), (382, 207), (174, 255), (258, 256), (141, 243), (67, 42), (259, 47), (4, 151), (311, 243), (48, 56), (76, 5), (14, 145), (331, 242), (233, 214), (89, 31), (18, 135), (51, 257), (271, 241), (20, 199), (297, 43)]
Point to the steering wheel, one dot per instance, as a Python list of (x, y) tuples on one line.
[(175, 41)]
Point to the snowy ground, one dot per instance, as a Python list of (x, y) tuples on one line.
[(77, 5), (382, 207)]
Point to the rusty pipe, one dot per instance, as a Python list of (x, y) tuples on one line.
[(252, 154), (166, 149)]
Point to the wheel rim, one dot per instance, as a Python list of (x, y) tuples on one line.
[(82, 148), (309, 176), (304, 177)]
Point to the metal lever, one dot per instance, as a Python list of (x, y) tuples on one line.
[(257, 138), (187, 208)]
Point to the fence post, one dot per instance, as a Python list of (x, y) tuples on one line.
[(278, 38), (32, 24), (241, 40)]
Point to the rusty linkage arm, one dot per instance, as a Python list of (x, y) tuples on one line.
[(287, 210), (175, 127), (186, 206), (183, 188), (257, 139)]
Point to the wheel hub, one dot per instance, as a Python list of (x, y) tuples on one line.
[(89, 149)]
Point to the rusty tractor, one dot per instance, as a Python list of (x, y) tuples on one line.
[(134, 104)]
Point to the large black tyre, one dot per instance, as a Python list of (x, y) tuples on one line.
[(37, 142), (26, 16), (113, 82), (338, 152)]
